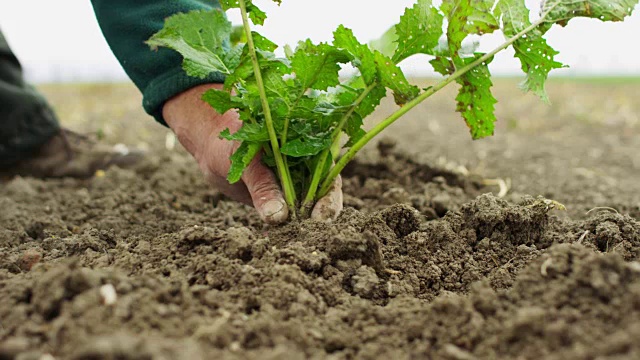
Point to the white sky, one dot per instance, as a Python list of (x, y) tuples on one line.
[(61, 41)]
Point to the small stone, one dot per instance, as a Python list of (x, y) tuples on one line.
[(108, 294), (364, 282), (29, 259), (20, 186), (144, 247)]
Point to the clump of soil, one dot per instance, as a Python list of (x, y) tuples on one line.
[(421, 264)]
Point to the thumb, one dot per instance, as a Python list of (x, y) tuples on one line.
[(265, 193), (329, 206)]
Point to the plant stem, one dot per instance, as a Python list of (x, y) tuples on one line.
[(324, 156), (285, 179), (349, 155)]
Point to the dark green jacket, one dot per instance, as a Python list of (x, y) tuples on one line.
[(127, 24)]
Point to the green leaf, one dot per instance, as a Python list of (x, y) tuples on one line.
[(457, 12), (200, 37), (275, 85), (467, 17), (362, 57), (371, 101), (481, 20), (256, 15), (221, 101), (561, 11), (353, 129), (241, 159), (392, 77), (248, 132), (475, 101), (536, 56), (238, 36), (419, 30), (317, 66), (263, 43), (228, 4), (347, 97), (443, 65), (233, 4), (266, 58), (305, 108), (306, 146), (387, 43)]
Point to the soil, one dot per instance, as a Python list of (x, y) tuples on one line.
[(426, 261)]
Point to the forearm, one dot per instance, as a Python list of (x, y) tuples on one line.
[(126, 26)]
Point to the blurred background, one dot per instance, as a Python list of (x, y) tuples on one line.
[(60, 41), (581, 149)]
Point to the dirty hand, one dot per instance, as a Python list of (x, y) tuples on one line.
[(197, 127)]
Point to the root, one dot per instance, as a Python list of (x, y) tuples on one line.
[(603, 208), (583, 236), (392, 272), (504, 185)]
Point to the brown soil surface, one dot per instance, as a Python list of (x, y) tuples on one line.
[(426, 261)]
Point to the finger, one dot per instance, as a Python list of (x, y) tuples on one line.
[(215, 166), (265, 193), (329, 206), (237, 192)]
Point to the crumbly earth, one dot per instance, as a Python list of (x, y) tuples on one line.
[(426, 261)]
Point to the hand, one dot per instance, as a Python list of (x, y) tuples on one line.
[(197, 126)]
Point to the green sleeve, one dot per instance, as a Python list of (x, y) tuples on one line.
[(126, 25)]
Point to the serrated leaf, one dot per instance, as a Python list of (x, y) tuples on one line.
[(457, 12), (233, 4), (233, 56), (256, 15), (238, 36), (317, 66), (338, 103), (467, 17), (475, 101), (275, 86), (200, 37), (240, 159), (306, 146), (363, 57), (387, 43), (419, 30), (371, 101), (263, 43), (354, 130), (443, 65), (266, 58), (481, 20), (305, 108), (228, 4), (248, 132), (561, 11), (535, 55), (392, 77), (221, 101)]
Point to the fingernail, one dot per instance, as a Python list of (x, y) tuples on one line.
[(271, 209)]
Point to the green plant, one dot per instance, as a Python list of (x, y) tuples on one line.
[(296, 109)]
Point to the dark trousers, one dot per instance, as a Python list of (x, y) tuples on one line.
[(26, 119)]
